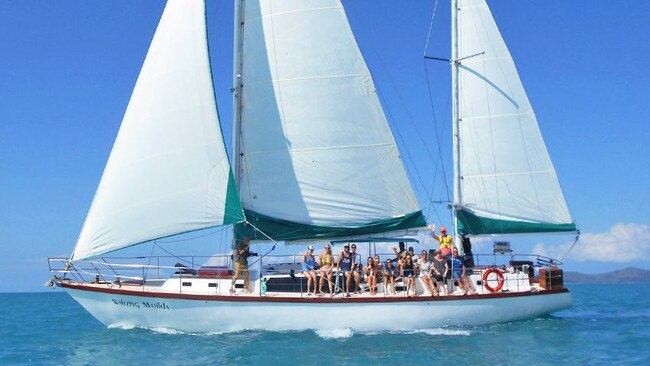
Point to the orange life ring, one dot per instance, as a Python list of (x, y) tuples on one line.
[(499, 276)]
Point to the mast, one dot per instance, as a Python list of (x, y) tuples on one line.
[(237, 89), (455, 117), (238, 45)]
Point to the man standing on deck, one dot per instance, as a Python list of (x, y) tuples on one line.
[(242, 252), (444, 240)]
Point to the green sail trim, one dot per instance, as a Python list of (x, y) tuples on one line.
[(233, 212), (471, 224), (281, 230)]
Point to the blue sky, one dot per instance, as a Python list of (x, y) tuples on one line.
[(67, 69)]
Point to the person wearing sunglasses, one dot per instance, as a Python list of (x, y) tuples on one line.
[(326, 260), (309, 269), (457, 264), (389, 273), (371, 278), (425, 272), (344, 265)]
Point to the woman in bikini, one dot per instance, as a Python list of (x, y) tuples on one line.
[(325, 261)]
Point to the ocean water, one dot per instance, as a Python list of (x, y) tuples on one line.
[(608, 325)]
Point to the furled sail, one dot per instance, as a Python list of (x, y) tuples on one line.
[(508, 183), (168, 172), (318, 158)]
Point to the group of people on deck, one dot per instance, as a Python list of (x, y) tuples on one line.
[(437, 274)]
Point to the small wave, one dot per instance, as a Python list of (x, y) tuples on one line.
[(163, 330), (443, 331), (340, 333), (173, 331), (122, 326), (432, 331), (328, 334)]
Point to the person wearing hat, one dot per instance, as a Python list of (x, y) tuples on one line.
[(344, 265), (309, 268), (444, 240), (241, 264)]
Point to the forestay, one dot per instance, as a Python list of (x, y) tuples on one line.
[(509, 184), (168, 172), (318, 156)]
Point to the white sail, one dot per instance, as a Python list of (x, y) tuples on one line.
[(315, 145), (509, 183), (168, 172)]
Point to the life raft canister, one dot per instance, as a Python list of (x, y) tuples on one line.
[(499, 277)]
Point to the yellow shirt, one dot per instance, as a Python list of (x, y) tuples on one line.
[(445, 241)]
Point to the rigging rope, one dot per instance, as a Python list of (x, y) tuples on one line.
[(439, 165), (410, 119), (572, 245), (270, 238), (433, 16), (173, 255)]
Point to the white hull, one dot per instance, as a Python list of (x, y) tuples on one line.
[(232, 313)]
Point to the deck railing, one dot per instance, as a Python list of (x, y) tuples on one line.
[(283, 273)]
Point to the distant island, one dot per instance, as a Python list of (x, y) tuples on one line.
[(625, 275)]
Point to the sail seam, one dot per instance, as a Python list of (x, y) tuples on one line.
[(497, 116), (272, 14), (507, 174), (262, 152), (267, 81)]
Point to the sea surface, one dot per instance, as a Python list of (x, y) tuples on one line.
[(608, 325)]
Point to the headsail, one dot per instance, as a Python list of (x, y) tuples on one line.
[(509, 184), (168, 172), (318, 158)]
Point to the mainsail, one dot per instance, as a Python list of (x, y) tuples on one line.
[(168, 172), (318, 158), (508, 182)]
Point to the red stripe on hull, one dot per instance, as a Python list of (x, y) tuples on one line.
[(166, 295)]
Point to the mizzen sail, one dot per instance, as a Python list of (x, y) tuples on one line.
[(508, 182), (168, 172)]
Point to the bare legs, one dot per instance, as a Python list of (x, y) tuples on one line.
[(241, 270), (372, 283), (311, 279), (410, 284), (392, 283), (357, 281), (326, 272), (348, 278), (428, 284)]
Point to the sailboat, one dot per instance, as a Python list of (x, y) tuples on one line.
[(306, 110)]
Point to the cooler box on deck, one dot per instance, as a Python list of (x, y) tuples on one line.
[(215, 272), (551, 279)]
